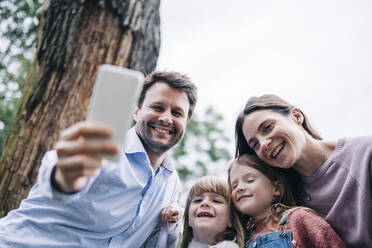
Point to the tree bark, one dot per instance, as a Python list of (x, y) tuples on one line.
[(75, 37)]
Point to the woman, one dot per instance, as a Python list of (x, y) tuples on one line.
[(334, 178)]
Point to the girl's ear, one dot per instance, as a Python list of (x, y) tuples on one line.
[(229, 224), (297, 116)]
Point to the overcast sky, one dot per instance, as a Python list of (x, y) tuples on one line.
[(315, 54)]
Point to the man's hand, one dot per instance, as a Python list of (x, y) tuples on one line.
[(77, 151), (170, 214)]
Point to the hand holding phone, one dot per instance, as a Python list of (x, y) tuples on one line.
[(114, 98)]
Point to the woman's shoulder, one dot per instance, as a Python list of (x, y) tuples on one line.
[(360, 141), (225, 244)]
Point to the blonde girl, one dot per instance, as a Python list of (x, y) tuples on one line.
[(263, 197), (208, 219)]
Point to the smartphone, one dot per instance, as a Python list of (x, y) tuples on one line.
[(115, 94)]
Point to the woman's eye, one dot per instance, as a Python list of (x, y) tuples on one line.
[(268, 126), (254, 146)]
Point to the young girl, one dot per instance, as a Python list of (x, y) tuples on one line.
[(267, 209), (208, 219), (333, 178)]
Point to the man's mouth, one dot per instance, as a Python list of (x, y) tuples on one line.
[(277, 150), (204, 214), (161, 129)]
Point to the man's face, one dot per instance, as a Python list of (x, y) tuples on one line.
[(162, 119)]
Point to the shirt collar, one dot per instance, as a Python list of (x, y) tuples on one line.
[(133, 144)]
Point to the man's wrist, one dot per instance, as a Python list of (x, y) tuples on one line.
[(56, 185)]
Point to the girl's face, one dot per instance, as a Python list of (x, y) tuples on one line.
[(209, 214), (252, 191), (276, 139)]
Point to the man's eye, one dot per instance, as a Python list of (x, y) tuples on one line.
[(157, 108), (176, 113)]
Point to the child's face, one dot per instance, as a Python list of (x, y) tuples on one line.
[(209, 214), (252, 191)]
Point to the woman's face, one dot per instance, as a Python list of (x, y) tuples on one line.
[(276, 139)]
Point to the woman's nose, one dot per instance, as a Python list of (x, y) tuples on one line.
[(265, 144)]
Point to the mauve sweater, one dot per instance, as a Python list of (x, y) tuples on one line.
[(341, 191)]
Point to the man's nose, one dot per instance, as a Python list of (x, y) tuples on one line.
[(166, 117)]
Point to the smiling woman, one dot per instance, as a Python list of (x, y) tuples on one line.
[(334, 178)]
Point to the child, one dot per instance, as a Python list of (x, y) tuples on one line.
[(267, 209), (208, 219)]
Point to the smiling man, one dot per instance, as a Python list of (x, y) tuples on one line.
[(78, 202)]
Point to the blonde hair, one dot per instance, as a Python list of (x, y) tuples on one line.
[(218, 186), (281, 203)]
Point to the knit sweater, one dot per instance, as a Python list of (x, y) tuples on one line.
[(308, 230), (341, 191)]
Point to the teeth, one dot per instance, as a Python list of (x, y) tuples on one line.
[(205, 215), (277, 150), (161, 130)]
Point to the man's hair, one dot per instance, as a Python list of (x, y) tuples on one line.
[(174, 80)]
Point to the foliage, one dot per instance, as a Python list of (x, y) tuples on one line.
[(203, 146), (18, 29), (197, 154)]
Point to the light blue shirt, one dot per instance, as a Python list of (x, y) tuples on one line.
[(118, 208)]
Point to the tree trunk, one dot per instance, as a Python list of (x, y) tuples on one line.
[(75, 37)]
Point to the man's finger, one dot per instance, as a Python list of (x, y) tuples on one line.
[(86, 129), (93, 147)]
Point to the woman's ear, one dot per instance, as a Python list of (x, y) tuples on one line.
[(278, 188), (297, 116)]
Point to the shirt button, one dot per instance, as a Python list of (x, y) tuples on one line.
[(308, 197), (254, 244), (133, 226)]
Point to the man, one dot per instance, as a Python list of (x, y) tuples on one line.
[(79, 201)]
